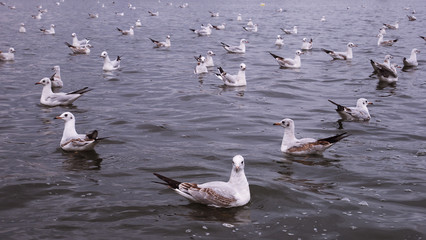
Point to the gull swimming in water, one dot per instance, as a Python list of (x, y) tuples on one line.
[(83, 49), (250, 22), (382, 42), (110, 65), (38, 16), (214, 14), (154, 14), (342, 55), (127, 32), (252, 28), (71, 140), (209, 59), (219, 27), (234, 193), (382, 30), (288, 62), (385, 73), (93, 15), (8, 56), (233, 80), (392, 26), (78, 43), (386, 63), (305, 146), (291, 31), (50, 31), (22, 28), (52, 99), (358, 113), (201, 66), (412, 61), (323, 19), (56, 79), (411, 18), (203, 31), (138, 23), (159, 44), (236, 49), (279, 42), (239, 17), (306, 45)]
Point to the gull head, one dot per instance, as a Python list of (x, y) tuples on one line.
[(52, 25), (242, 67), (363, 102), (202, 59), (168, 37), (304, 39), (351, 45), (298, 53), (285, 123), (238, 163), (44, 81), (11, 50), (56, 68), (104, 54), (415, 50), (66, 116), (388, 57), (279, 37), (244, 41), (210, 53), (73, 35)]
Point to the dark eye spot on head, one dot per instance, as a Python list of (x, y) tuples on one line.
[(66, 115)]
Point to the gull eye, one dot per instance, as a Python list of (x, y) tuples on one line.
[(242, 162), (66, 115)]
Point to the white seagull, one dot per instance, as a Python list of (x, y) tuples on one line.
[(236, 49), (279, 41), (239, 17), (382, 30), (341, 55), (304, 146), (119, 13), (201, 66), (386, 63), (71, 140), (219, 27), (392, 26), (50, 31), (154, 14), (203, 31), (138, 23), (127, 32), (158, 44), (323, 19), (358, 113), (382, 42), (208, 59), (8, 56), (288, 62), (52, 99), (83, 49), (412, 61), (234, 193), (78, 43), (93, 15), (233, 80), (214, 14), (411, 18), (22, 28), (385, 73), (56, 79), (291, 31), (306, 45), (38, 16), (252, 28), (108, 64)]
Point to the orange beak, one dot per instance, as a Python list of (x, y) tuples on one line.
[(276, 124)]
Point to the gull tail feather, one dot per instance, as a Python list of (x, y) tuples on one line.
[(168, 181)]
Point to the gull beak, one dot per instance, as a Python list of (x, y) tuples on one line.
[(277, 123), (355, 45), (237, 168), (369, 103), (57, 117), (37, 83)]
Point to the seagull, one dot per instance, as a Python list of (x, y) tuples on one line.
[(78, 43), (154, 14), (8, 56), (382, 42), (251, 28), (239, 17), (119, 13), (412, 61), (138, 23), (71, 140), (236, 49), (214, 14), (279, 42), (50, 31), (233, 80), (386, 63), (323, 19), (250, 22), (55, 79), (93, 15), (288, 62), (411, 18), (84, 49), (108, 64), (38, 16), (234, 193), (158, 44), (52, 99), (127, 32), (22, 28), (219, 27), (341, 55), (305, 146), (292, 31), (306, 45), (385, 73), (201, 66), (208, 59), (204, 31), (392, 26), (358, 113), (382, 30)]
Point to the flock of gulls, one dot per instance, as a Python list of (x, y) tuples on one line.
[(235, 192)]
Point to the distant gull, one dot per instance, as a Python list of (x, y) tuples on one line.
[(93, 15), (250, 22), (214, 14), (56, 79), (52, 99), (38, 16), (201, 66), (290, 31), (279, 41), (203, 31), (412, 61), (236, 49), (50, 31), (341, 55), (138, 23), (239, 17), (127, 32), (252, 28), (119, 13), (159, 44), (71, 140), (289, 62), (219, 27), (234, 193), (306, 45), (208, 60), (83, 49), (22, 28), (78, 43), (233, 80), (382, 30), (392, 26), (8, 56), (358, 113), (323, 19), (110, 65), (154, 14), (381, 42), (305, 146), (411, 18)]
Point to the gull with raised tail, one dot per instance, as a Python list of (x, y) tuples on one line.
[(127, 32), (289, 62), (204, 30), (110, 65), (236, 49), (56, 79), (358, 113), (154, 14), (50, 31), (8, 56), (219, 27), (159, 44), (412, 61), (233, 80), (341, 55), (304, 146), (83, 49), (382, 42), (71, 140), (387, 74), (252, 28), (386, 63), (290, 31), (392, 26), (306, 45), (234, 193), (52, 99)]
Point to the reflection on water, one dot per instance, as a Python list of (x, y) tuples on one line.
[(235, 216), (87, 160)]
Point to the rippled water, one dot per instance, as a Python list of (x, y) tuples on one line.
[(160, 117)]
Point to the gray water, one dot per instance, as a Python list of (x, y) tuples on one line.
[(160, 117)]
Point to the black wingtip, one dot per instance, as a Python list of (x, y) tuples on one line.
[(335, 138), (170, 182)]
